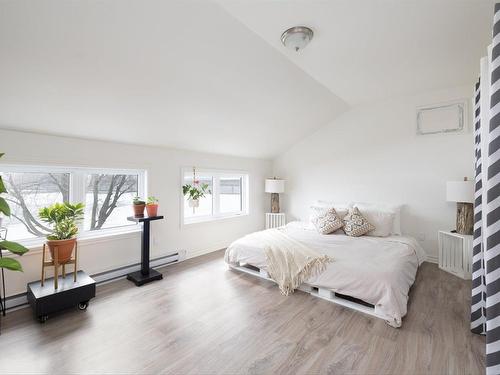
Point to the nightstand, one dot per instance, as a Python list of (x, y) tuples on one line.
[(275, 220), (455, 253)]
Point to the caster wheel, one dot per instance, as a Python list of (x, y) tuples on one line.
[(43, 318), (83, 306)]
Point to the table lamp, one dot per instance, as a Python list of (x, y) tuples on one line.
[(462, 192), (275, 186)]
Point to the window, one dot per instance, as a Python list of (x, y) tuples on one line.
[(108, 198), (107, 195), (227, 195)]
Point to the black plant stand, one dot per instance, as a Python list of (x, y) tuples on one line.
[(146, 274), (3, 297)]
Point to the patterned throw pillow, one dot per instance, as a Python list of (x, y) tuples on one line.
[(326, 219), (355, 224)]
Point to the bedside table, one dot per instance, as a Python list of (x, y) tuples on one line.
[(275, 220), (455, 253)]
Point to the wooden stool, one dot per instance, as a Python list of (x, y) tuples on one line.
[(56, 265)]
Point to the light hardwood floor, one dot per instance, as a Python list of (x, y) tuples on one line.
[(202, 318)]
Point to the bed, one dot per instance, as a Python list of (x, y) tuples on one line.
[(369, 274)]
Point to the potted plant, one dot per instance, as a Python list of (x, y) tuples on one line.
[(139, 206), (64, 218), (195, 192), (7, 262), (15, 248), (152, 206)]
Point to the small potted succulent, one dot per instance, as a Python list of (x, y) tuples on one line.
[(63, 217), (139, 206), (195, 192), (152, 206)]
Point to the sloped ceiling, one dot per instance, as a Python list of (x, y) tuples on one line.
[(213, 76), (367, 50), (182, 74)]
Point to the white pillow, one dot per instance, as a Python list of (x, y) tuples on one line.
[(382, 221), (383, 208), (340, 207)]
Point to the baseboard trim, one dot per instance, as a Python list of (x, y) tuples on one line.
[(432, 259), (20, 300)]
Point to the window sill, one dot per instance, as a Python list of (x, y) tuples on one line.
[(210, 219), (35, 246)]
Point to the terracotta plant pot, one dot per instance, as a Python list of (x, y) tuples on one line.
[(194, 203), (152, 210), (139, 210), (64, 249)]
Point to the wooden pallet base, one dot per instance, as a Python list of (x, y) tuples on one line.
[(323, 293)]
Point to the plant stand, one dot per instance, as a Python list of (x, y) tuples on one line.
[(3, 307), (46, 300), (54, 263), (3, 297), (146, 274)]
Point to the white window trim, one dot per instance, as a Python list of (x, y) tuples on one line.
[(216, 216), (77, 194)]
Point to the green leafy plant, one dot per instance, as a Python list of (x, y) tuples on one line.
[(152, 200), (64, 218), (138, 201), (13, 247), (195, 191)]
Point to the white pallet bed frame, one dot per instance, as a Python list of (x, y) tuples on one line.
[(322, 293)]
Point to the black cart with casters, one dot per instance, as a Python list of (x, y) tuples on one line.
[(146, 274), (45, 300)]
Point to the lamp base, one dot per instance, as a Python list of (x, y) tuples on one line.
[(275, 203), (465, 218)]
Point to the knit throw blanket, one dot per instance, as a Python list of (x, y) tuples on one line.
[(289, 262)]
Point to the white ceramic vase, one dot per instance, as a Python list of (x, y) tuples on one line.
[(194, 203)]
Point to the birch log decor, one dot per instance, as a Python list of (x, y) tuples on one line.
[(275, 203), (465, 218)]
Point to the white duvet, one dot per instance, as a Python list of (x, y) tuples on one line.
[(377, 270)]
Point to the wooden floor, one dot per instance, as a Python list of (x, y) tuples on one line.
[(203, 319)]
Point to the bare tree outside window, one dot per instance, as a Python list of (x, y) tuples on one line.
[(27, 193), (107, 200)]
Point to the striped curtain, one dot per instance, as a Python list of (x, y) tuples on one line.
[(485, 309), (478, 308)]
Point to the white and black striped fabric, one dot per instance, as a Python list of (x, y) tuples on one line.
[(492, 209), (478, 304), (485, 304)]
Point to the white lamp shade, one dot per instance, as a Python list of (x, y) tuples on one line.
[(274, 185), (460, 191)]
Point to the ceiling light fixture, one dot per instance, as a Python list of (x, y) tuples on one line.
[(297, 37)]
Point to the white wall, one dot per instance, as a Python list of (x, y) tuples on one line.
[(371, 153), (163, 167)]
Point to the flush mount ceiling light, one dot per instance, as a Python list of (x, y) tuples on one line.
[(297, 37)]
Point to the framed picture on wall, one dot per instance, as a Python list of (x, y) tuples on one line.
[(442, 118)]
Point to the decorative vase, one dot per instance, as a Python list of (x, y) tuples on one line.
[(139, 210), (64, 249), (152, 210), (194, 203)]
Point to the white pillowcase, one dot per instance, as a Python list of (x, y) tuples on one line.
[(340, 207), (381, 212), (382, 221)]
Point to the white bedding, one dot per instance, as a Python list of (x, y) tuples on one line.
[(377, 270)]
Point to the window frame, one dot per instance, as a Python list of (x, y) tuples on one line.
[(77, 192), (216, 174)]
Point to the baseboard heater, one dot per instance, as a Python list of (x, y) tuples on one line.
[(19, 300)]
